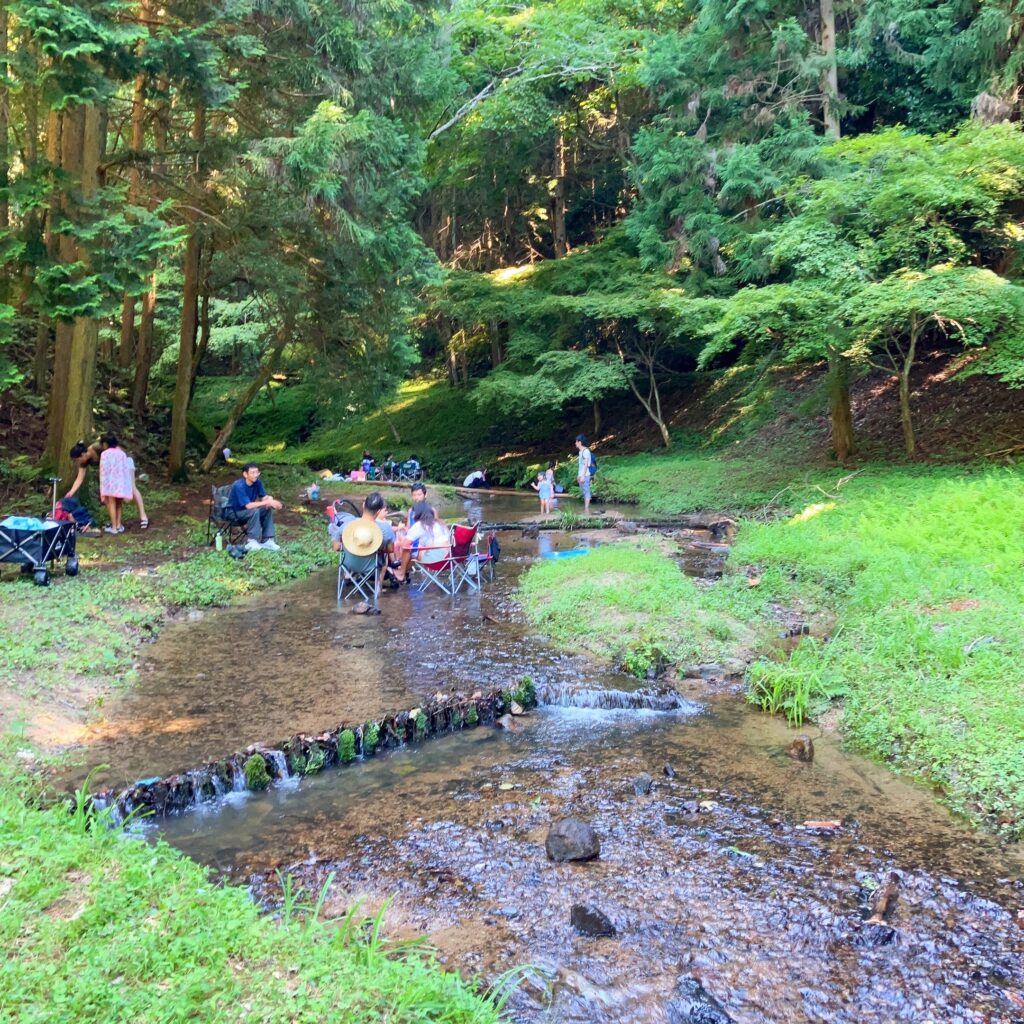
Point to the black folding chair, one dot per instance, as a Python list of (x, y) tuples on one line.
[(220, 520)]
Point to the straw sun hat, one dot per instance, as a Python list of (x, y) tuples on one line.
[(361, 537)]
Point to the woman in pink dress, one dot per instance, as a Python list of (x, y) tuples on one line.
[(117, 473)]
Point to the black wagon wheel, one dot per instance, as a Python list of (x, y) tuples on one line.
[(41, 578), (71, 567)]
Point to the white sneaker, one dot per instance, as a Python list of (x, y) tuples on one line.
[(270, 545), (253, 545)]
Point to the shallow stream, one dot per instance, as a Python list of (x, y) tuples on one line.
[(711, 874)]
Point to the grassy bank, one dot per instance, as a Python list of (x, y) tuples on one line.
[(922, 570), (99, 928)]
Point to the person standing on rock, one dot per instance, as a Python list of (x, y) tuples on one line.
[(584, 473)]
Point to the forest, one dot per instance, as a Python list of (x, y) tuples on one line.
[(552, 205)]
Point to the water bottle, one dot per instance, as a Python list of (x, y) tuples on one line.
[(314, 492), (218, 541)]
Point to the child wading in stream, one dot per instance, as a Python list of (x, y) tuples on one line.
[(545, 491)]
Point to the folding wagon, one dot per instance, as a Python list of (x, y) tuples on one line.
[(37, 546)]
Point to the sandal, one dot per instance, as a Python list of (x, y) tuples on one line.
[(143, 524)]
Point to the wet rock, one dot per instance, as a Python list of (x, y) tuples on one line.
[(627, 526), (531, 532), (517, 709), (693, 1005), (590, 921), (801, 749), (642, 784), (507, 722), (670, 772), (690, 807), (572, 839)]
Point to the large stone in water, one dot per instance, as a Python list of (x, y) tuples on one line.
[(693, 1005), (590, 921), (801, 749), (572, 839), (642, 784)]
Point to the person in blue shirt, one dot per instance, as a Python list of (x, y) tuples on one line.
[(250, 504)]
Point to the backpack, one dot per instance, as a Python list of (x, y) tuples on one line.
[(593, 465), (493, 547), (72, 510)]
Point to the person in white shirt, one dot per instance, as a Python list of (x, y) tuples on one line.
[(431, 535), (583, 473), (478, 478)]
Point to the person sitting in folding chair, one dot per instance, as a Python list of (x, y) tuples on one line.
[(357, 568), (432, 541)]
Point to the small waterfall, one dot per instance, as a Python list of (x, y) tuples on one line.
[(198, 781), (278, 763), (570, 695), (237, 778), (218, 785)]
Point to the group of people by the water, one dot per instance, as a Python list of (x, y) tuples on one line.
[(396, 540), (116, 479)]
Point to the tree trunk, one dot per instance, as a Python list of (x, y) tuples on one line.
[(557, 203), (904, 378), (189, 313), (126, 348), (5, 123), (839, 404), (830, 76), (597, 418), (144, 351), (64, 141), (204, 318), (242, 404), (81, 374), (494, 333)]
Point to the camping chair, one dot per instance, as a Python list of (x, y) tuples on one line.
[(409, 471), (219, 521), (467, 562), (440, 571), (359, 574)]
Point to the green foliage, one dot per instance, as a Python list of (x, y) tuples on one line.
[(371, 737), (472, 715), (420, 724), (635, 598), (525, 693), (256, 775), (314, 759), (346, 746), (198, 949)]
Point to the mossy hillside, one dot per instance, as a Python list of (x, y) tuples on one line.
[(438, 424), (101, 929)]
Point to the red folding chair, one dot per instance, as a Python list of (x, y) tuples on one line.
[(435, 565), (468, 564)]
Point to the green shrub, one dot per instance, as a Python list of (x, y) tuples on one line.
[(371, 737), (346, 746), (256, 775)]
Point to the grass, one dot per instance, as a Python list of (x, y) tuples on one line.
[(625, 602), (97, 927), (923, 570)]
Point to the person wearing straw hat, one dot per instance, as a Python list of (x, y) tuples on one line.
[(361, 537)]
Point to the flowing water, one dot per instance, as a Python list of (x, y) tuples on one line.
[(711, 874)]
